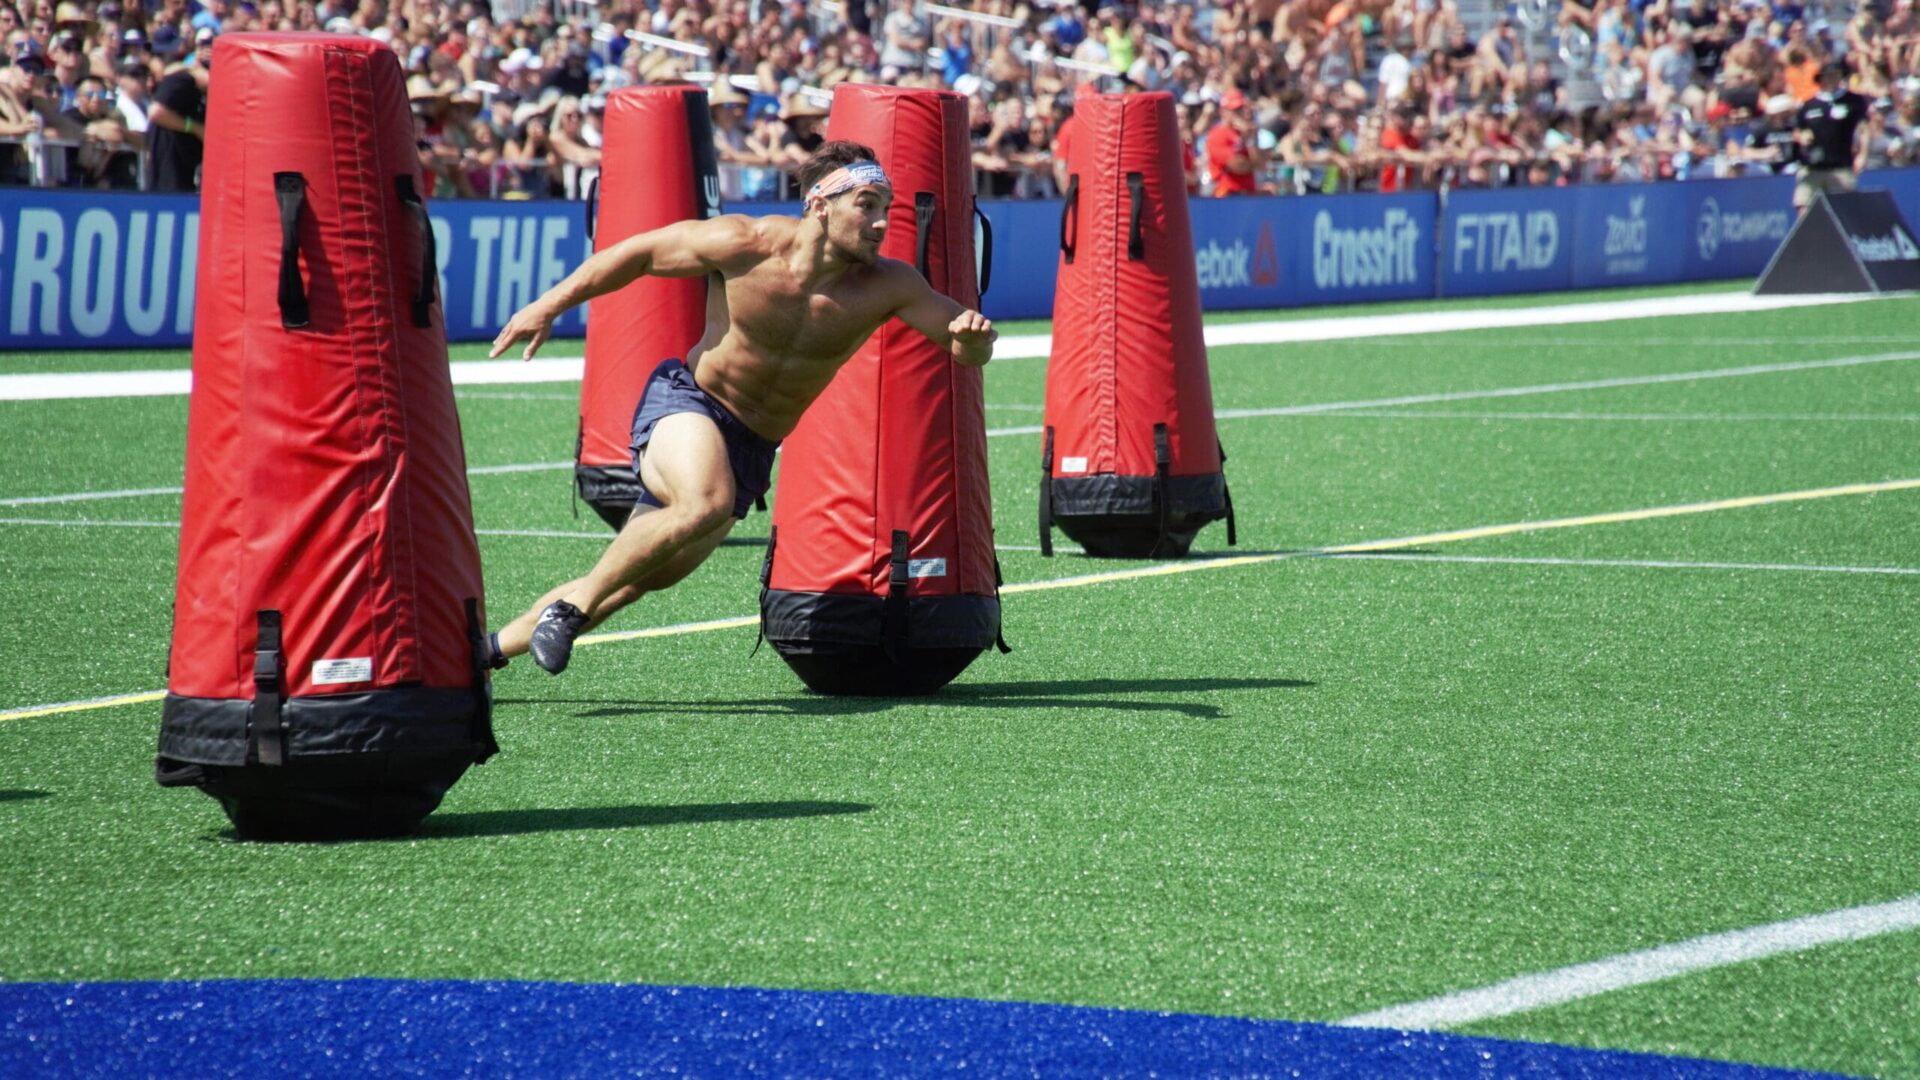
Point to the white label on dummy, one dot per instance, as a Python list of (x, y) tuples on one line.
[(1073, 465), (353, 669), (926, 568)]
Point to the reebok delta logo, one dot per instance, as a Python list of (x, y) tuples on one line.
[(1896, 246), (1224, 268)]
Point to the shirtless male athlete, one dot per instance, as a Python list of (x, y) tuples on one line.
[(795, 298)]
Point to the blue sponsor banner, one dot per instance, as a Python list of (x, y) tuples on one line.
[(1905, 185), (83, 270), (1299, 251), (1734, 226), (1506, 241), (77, 269), (1628, 234)]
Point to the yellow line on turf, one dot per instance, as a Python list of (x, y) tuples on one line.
[(83, 706), (670, 631), (1194, 566)]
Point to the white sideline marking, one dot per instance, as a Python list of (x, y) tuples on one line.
[(94, 496), (1645, 564), (86, 496), (1771, 418), (1344, 408), (98, 384), (1584, 384), (1192, 566), (1074, 549), (1561, 985), (1348, 407)]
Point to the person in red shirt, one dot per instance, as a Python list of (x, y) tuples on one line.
[(1397, 140), (1232, 157)]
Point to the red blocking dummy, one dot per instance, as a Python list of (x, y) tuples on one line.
[(327, 675), (657, 167), (881, 576), (1131, 460)]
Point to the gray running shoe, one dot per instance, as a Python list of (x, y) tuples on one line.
[(553, 635)]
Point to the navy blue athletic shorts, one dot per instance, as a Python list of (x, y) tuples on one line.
[(671, 389)]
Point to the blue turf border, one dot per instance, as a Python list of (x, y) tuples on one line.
[(389, 1027)]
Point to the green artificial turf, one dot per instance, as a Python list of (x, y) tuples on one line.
[(1306, 787)]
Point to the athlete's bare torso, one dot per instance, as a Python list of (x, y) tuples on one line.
[(789, 300), (773, 339)]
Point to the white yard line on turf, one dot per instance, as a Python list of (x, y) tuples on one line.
[(1561, 985), (1641, 564), (92, 384), (1338, 407), (1189, 567), (1768, 418), (95, 496), (1346, 407)]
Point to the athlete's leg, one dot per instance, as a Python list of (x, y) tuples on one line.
[(686, 467), (515, 635)]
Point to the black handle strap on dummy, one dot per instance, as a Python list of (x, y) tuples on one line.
[(923, 213), (1162, 497), (269, 739), (1137, 198), (593, 204), (894, 620), (1226, 491), (1046, 495), (1000, 630), (1070, 209), (985, 267), (290, 188), (429, 258), (481, 731), (766, 583)]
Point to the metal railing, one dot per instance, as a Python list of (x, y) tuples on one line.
[(46, 158)]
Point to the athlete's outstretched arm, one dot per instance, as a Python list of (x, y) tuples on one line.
[(683, 249), (967, 335)]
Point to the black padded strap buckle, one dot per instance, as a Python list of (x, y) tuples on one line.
[(1162, 495), (1137, 199), (923, 215), (1226, 492), (1000, 628), (1046, 495), (894, 621), (1070, 210), (983, 266), (766, 583), (290, 189), (482, 648), (269, 739), (423, 293)]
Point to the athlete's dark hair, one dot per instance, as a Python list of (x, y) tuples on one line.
[(829, 157)]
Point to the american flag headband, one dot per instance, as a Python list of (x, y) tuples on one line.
[(848, 177)]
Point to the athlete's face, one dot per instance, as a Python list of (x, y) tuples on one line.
[(857, 222)]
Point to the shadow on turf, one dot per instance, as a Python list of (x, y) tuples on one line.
[(1054, 694), (582, 818), (21, 795), (444, 826)]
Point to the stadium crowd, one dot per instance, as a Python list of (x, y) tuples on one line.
[(1283, 96)]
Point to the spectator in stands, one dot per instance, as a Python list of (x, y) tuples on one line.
[(907, 40), (177, 122), (105, 157), (1827, 130), (1234, 159)]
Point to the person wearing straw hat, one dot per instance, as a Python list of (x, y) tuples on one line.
[(791, 300)]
